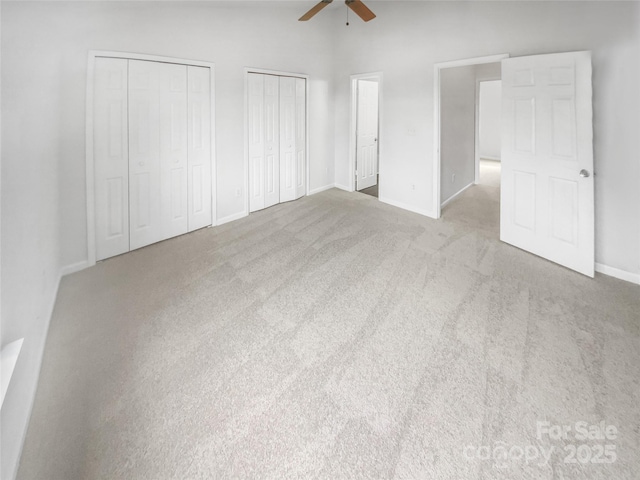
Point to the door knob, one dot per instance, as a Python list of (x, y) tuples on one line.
[(584, 173)]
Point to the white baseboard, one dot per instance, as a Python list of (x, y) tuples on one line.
[(231, 218), (455, 195), (321, 189), (404, 206), (74, 267), (486, 157), (617, 273), (342, 187)]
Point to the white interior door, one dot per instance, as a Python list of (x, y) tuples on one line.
[(144, 153), (110, 139), (152, 152), (277, 139), (367, 134), (173, 149), (287, 139), (199, 148), (256, 119), (547, 202), (271, 140)]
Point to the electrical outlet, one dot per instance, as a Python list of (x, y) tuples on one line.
[(238, 192), (413, 186), (453, 178)]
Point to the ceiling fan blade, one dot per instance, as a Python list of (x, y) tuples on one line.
[(360, 9), (314, 10)]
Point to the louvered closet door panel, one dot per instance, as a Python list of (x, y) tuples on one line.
[(144, 153), (301, 120), (199, 158), (110, 157), (173, 149), (287, 139), (271, 140), (256, 141)]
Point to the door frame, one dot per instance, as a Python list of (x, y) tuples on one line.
[(353, 126), (90, 163), (437, 206), (279, 73)]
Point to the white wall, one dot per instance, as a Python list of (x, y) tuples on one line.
[(44, 61), (30, 223), (490, 114), (407, 38), (457, 129)]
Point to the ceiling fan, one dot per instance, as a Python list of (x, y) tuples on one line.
[(357, 6)]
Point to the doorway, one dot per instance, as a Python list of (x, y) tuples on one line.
[(546, 188), (365, 127), (458, 125)]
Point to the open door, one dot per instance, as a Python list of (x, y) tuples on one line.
[(547, 187), (367, 134)]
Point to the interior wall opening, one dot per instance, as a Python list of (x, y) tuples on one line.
[(470, 140), (366, 91)]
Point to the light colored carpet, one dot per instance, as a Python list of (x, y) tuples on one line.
[(373, 191), (334, 337)]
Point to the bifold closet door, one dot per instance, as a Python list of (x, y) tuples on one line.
[(264, 140), (110, 145), (152, 152), (157, 151), (288, 139), (292, 138), (199, 148)]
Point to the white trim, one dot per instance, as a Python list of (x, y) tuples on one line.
[(455, 195), (321, 189), (618, 273), (404, 206), (232, 217), (149, 58), (476, 138), (247, 71), (74, 267), (90, 176), (352, 124), (436, 120), (342, 187), (487, 157)]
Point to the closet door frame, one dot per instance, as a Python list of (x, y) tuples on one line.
[(90, 162), (279, 73)]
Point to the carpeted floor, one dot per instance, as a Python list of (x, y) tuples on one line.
[(337, 337), (373, 191)]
